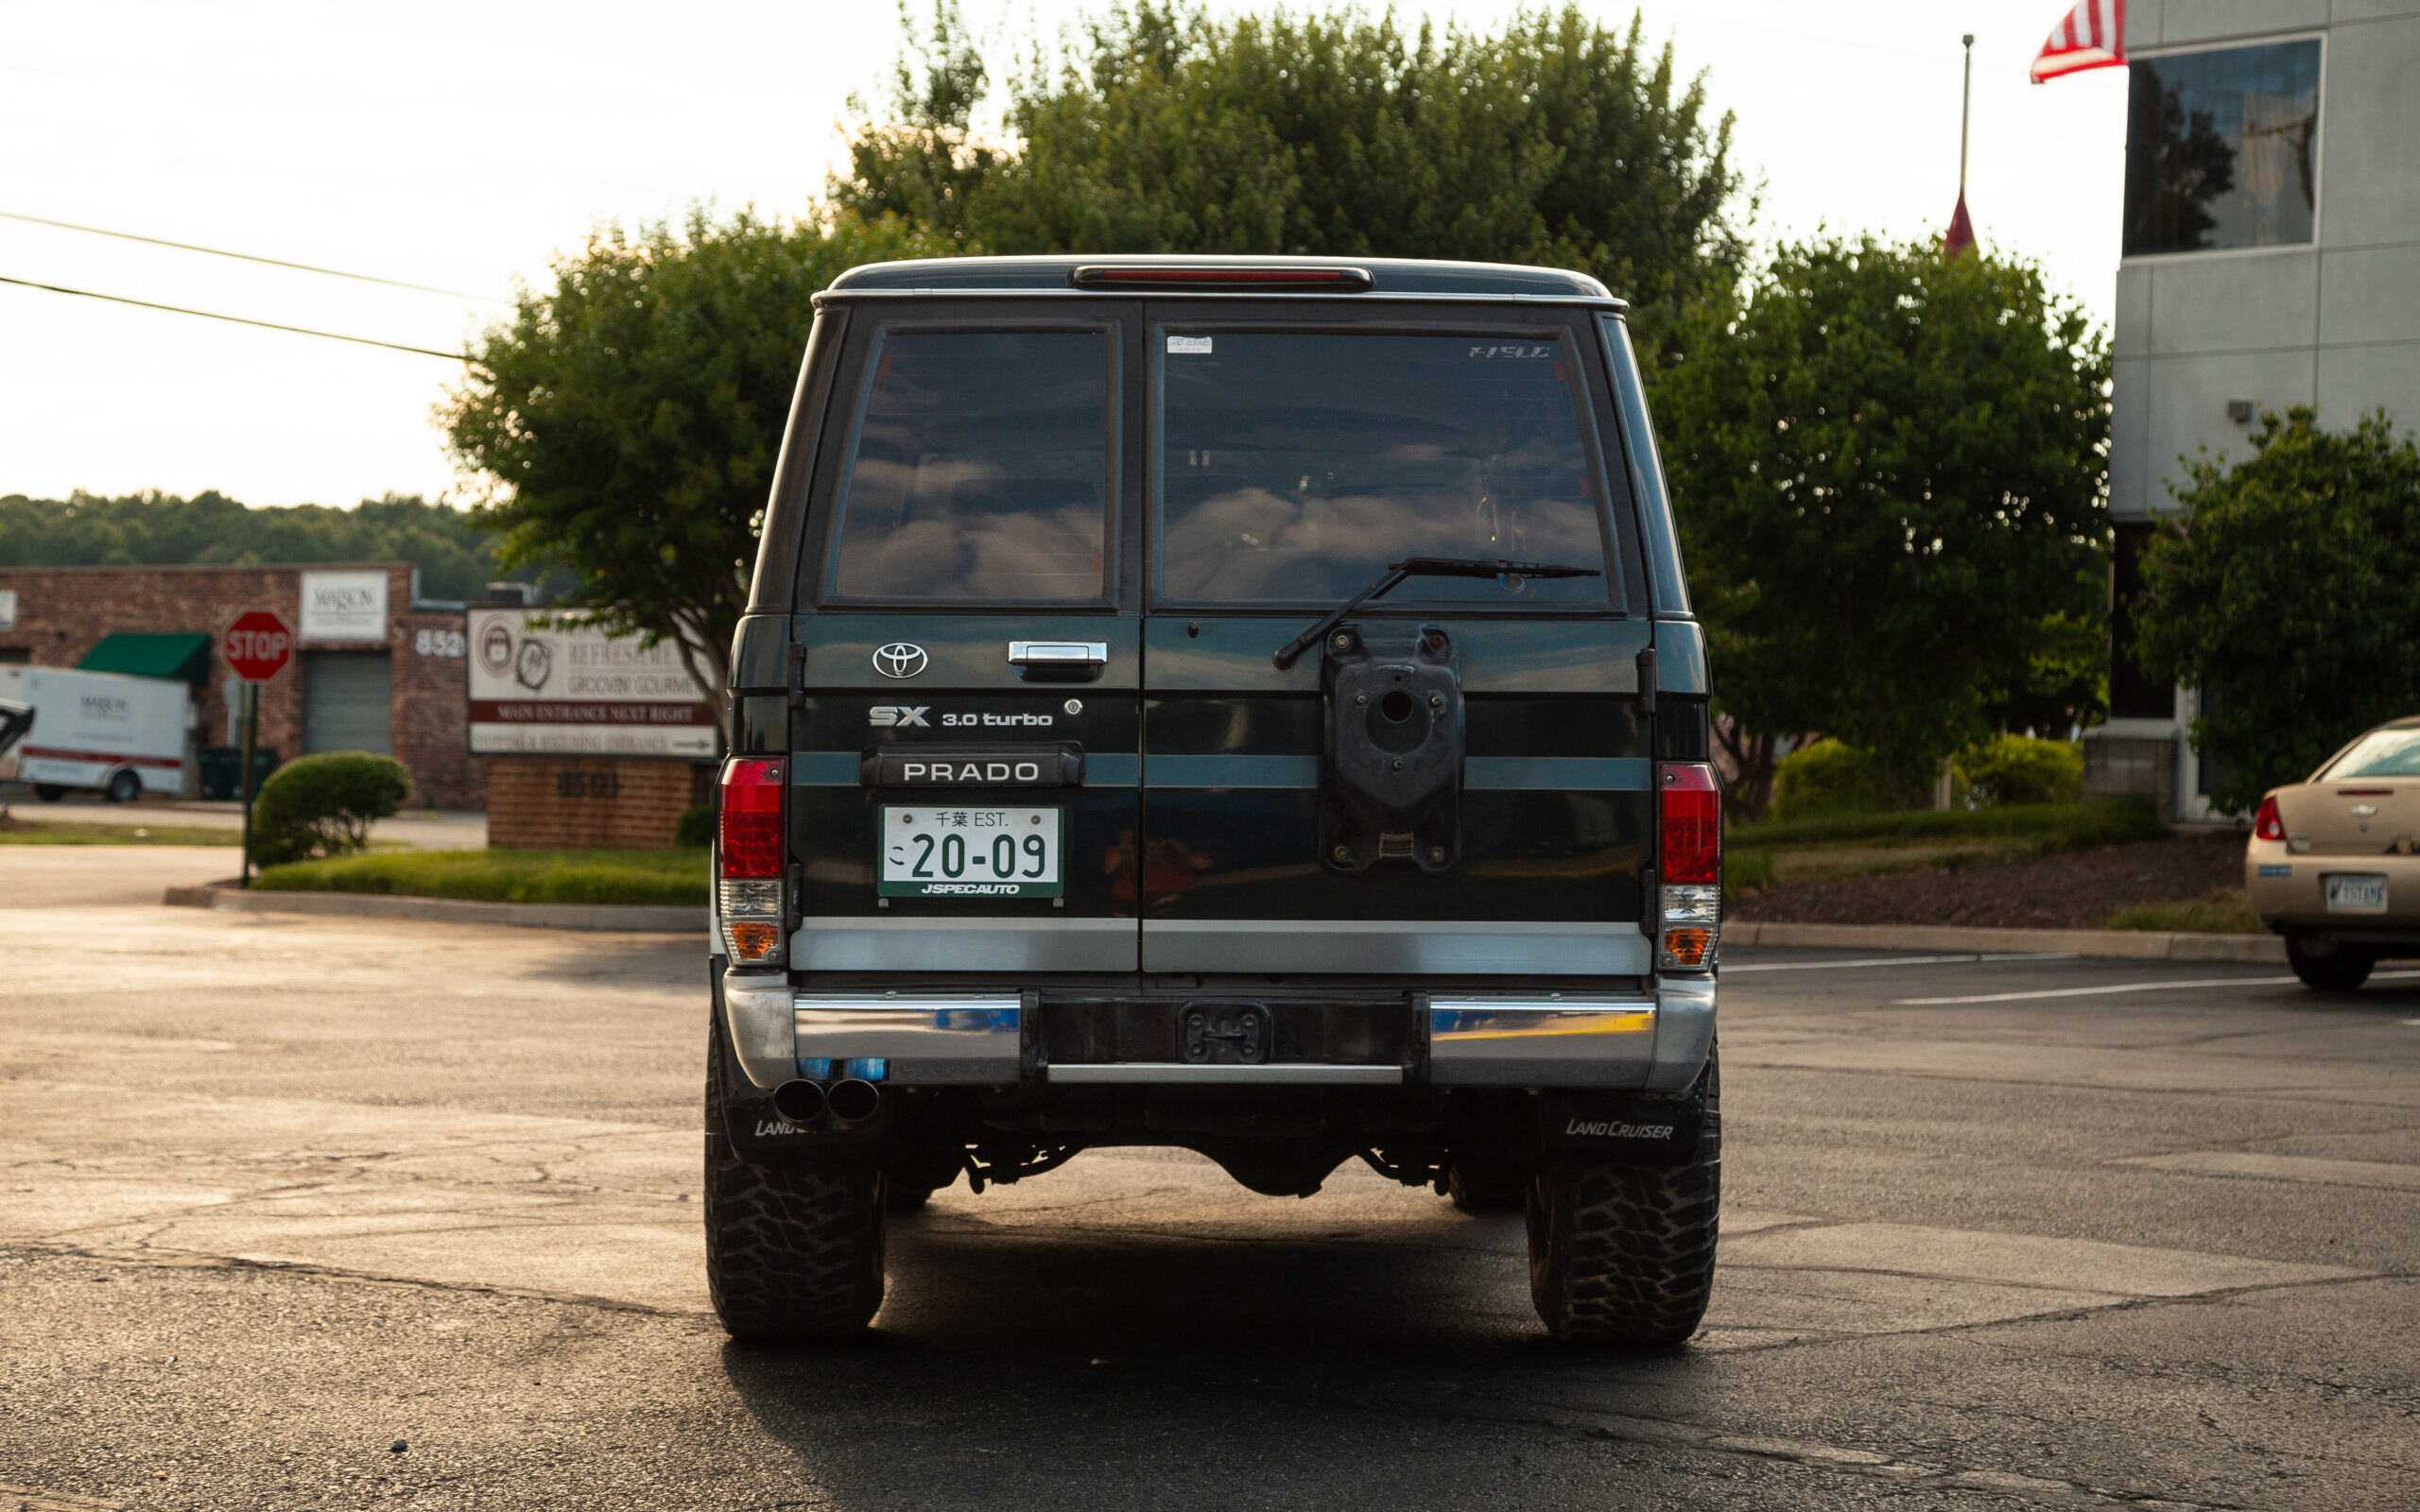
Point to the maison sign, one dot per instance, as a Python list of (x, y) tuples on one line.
[(344, 607)]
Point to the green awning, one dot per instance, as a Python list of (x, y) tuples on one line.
[(183, 657)]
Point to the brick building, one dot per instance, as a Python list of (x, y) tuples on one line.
[(376, 668)]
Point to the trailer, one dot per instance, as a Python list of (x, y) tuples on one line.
[(116, 736)]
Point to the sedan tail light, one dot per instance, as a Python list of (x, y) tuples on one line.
[(1689, 865), (748, 861), (2268, 824)]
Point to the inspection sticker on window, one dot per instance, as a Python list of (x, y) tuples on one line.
[(1197, 346)]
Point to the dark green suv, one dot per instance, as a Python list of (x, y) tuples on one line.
[(1237, 704)]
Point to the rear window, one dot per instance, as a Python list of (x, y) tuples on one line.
[(978, 471), (1293, 467), (2381, 753)]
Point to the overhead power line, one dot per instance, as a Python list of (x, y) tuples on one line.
[(248, 257), (238, 320)]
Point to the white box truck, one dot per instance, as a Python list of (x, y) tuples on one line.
[(116, 736)]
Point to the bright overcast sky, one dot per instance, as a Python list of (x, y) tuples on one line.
[(461, 146)]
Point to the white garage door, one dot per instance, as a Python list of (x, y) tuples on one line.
[(347, 697)]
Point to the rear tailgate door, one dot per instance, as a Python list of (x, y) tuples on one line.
[(965, 766), (1294, 454)]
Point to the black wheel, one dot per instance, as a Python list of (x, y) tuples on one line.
[(793, 1254), (2340, 969), (1477, 1184), (49, 792), (1624, 1254), (125, 787)]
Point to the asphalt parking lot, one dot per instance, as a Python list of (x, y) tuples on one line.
[(281, 1192)]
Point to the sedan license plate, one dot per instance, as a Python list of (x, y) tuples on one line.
[(947, 851), (2357, 895)]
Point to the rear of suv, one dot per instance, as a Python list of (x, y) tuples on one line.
[(1240, 705)]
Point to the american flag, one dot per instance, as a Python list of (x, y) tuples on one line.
[(2093, 36)]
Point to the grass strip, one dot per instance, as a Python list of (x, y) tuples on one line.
[(14, 831), (2063, 825), (2225, 912), (1757, 856), (660, 877)]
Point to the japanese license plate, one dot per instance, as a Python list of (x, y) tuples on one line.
[(947, 851), (2357, 895)]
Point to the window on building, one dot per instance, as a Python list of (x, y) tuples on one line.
[(2222, 148)]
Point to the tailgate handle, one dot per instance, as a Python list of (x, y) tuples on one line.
[(1057, 653)]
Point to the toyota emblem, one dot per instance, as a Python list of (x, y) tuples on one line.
[(899, 660)]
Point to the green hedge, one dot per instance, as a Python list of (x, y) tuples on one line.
[(673, 877), (1828, 776), (2018, 769), (324, 805)]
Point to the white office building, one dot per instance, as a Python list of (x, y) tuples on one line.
[(2271, 258)]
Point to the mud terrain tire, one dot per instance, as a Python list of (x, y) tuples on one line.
[(1623, 1255), (793, 1254)]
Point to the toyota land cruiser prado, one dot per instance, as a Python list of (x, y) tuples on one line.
[(1243, 705)]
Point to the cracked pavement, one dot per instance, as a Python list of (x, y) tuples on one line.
[(279, 1193)]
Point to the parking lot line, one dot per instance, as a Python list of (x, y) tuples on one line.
[(1895, 960), (2123, 987)]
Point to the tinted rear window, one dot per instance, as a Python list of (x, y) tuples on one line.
[(1294, 467), (978, 471)]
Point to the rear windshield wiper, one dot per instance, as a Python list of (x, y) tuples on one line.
[(1424, 567)]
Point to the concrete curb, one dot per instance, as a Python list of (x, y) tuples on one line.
[(626, 917), (2124, 944)]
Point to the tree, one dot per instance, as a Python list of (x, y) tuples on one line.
[(626, 422), (2283, 587), (1556, 141), (454, 558), (1889, 472)]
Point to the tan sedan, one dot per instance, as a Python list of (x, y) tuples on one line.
[(2331, 864)]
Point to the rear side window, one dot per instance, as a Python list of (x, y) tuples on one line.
[(1293, 467), (978, 471)]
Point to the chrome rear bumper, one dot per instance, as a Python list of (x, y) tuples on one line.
[(1655, 1044), (1570, 1039)]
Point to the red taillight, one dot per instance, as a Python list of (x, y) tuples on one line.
[(1692, 824), (752, 818), (2268, 824)]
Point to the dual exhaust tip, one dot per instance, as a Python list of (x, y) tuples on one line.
[(850, 1102)]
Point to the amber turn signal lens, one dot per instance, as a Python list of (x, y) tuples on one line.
[(1687, 947), (752, 940)]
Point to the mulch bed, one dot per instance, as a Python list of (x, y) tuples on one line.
[(2074, 889)]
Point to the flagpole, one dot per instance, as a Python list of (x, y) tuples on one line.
[(1965, 113)]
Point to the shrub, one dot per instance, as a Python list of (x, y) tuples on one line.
[(697, 826), (324, 805), (2019, 769), (1828, 778)]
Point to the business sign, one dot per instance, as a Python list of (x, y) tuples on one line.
[(344, 607), (542, 683), (7, 609)]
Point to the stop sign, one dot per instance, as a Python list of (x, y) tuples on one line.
[(256, 644)]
